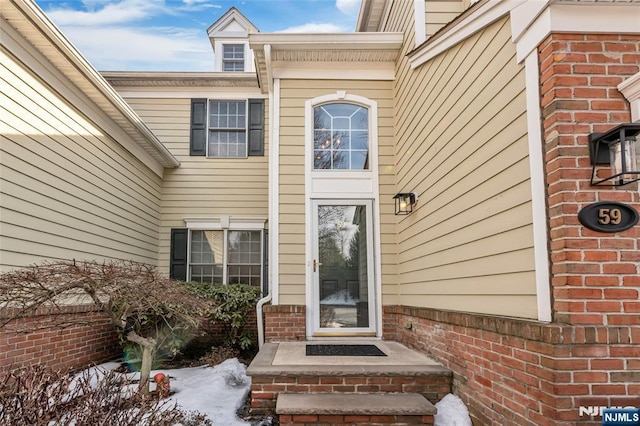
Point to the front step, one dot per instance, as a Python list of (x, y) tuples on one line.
[(403, 371), (336, 409)]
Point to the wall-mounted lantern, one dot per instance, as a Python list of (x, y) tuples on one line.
[(405, 202), (618, 148)]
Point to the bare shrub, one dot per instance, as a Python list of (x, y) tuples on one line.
[(147, 306), (38, 396), (218, 354)]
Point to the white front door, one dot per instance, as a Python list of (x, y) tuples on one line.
[(343, 269)]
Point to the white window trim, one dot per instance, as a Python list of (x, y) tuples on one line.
[(246, 126), (248, 57), (234, 223), (364, 186), (225, 223), (234, 60)]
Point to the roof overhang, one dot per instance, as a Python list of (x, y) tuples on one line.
[(30, 22), (532, 22), (181, 79), (372, 15), (275, 52)]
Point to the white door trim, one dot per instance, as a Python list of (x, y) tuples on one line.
[(313, 313)]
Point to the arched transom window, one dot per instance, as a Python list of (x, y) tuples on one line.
[(340, 137)]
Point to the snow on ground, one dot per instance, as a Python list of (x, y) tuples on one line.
[(452, 412), (217, 392)]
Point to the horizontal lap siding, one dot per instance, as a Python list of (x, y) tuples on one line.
[(68, 190), (462, 147), (439, 13), (294, 94), (201, 187)]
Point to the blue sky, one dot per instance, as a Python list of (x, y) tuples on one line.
[(170, 35)]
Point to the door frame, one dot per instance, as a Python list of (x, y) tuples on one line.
[(373, 273), (345, 186)]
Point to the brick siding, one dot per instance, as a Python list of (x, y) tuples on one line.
[(595, 275), (265, 388), (518, 372), (89, 338), (284, 323)]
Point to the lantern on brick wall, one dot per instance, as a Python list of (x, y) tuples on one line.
[(617, 148)]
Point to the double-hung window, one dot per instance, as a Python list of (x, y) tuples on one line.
[(227, 128), (233, 57), (226, 257)]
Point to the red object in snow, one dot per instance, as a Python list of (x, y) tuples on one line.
[(162, 384)]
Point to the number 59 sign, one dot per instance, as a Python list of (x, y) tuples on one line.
[(608, 216)]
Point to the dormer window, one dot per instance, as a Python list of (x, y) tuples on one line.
[(233, 57)]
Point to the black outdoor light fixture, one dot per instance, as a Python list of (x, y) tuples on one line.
[(405, 202), (617, 147)]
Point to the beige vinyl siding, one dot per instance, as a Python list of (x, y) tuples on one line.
[(294, 94), (201, 187), (439, 13), (68, 191), (462, 147)]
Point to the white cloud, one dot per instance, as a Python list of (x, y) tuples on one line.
[(110, 13), (150, 49), (348, 7), (194, 5), (315, 28)]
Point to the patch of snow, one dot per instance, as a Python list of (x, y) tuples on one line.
[(342, 297), (217, 392), (452, 412)]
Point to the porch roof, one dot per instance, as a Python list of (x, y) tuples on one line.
[(359, 49)]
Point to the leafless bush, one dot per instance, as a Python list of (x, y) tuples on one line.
[(218, 354), (147, 306), (38, 396)]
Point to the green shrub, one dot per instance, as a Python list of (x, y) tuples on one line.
[(231, 306)]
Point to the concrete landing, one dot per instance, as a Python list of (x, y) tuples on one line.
[(289, 358)]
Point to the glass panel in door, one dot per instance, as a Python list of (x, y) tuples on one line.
[(342, 266)]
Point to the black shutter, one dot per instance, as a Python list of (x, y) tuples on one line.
[(256, 126), (178, 258), (198, 135)]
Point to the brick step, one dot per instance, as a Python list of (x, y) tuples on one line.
[(336, 409), (269, 378)]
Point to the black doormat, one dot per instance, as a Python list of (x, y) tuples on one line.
[(344, 350)]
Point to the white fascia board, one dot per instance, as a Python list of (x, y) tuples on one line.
[(182, 93), (335, 70), (614, 18), (327, 41), (630, 88), (523, 16), (486, 14)]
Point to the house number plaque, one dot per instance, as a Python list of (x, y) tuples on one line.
[(608, 216)]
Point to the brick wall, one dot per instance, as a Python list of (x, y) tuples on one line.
[(284, 322), (90, 338), (520, 372), (595, 275)]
